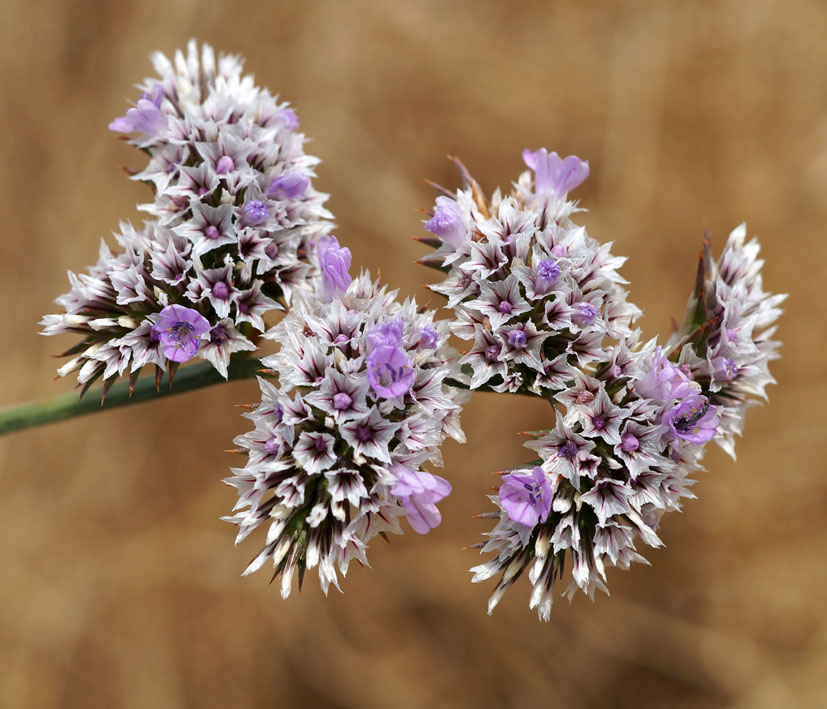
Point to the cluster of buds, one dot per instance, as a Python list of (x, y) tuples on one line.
[(233, 223)]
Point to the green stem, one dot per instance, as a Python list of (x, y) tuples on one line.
[(459, 385), (196, 376)]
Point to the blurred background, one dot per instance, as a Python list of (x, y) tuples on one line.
[(120, 587)]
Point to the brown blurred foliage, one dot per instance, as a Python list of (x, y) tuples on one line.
[(121, 587)]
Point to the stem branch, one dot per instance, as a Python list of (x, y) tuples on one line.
[(195, 376)]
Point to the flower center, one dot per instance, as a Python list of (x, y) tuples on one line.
[(568, 449), (342, 401), (492, 352), (517, 339), (224, 165), (220, 290), (685, 422), (629, 443)]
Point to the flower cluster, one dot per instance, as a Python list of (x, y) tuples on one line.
[(367, 386), (530, 289), (633, 432), (363, 402), (725, 342), (233, 221)]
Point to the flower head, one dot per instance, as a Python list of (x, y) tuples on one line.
[(343, 460), (233, 217)]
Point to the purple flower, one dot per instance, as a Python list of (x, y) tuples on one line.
[(526, 499), (629, 443), (272, 446), (254, 212), (385, 334), (517, 339), (179, 331), (545, 275), (664, 380), (289, 185), (146, 117), (289, 119), (390, 372), (224, 165), (555, 174), (492, 352), (334, 262), (724, 368), (428, 338), (584, 314), (419, 492), (447, 222), (693, 419)]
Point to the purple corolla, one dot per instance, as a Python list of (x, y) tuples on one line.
[(526, 498), (390, 372), (664, 380), (146, 117), (387, 333), (693, 419), (334, 262), (553, 174), (447, 222), (179, 331), (419, 492), (288, 186)]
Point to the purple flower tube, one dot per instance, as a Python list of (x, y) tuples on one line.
[(334, 262)]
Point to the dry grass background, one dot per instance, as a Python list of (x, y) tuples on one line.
[(121, 587)]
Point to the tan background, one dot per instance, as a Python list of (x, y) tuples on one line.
[(121, 587)]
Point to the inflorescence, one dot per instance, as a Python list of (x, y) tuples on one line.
[(361, 404), (364, 389), (232, 228), (544, 306)]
